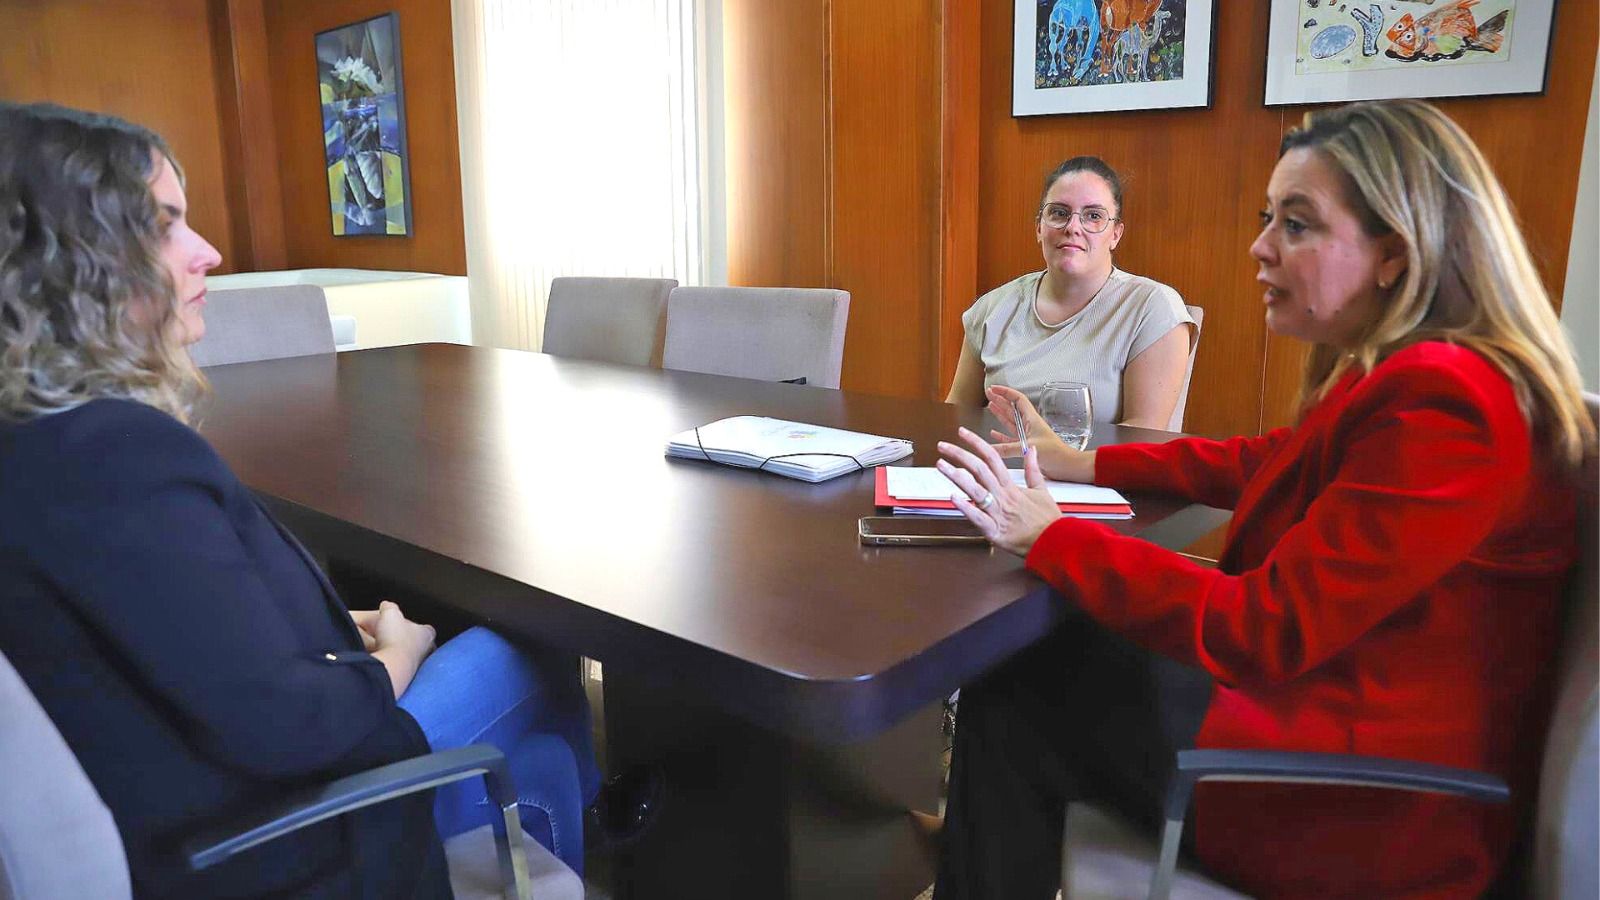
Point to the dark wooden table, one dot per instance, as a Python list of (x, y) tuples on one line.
[(751, 644)]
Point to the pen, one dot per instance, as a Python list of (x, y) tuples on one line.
[(1022, 435)]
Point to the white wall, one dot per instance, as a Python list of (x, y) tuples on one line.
[(388, 308), (1580, 303)]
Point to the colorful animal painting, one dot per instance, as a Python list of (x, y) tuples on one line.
[(1069, 20), (1099, 42), (1133, 48), (1117, 18), (1406, 33)]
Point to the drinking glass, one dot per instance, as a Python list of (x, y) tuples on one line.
[(1066, 408)]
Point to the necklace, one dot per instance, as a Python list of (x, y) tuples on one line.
[(1039, 285)]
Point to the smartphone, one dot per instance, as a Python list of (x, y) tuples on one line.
[(902, 531)]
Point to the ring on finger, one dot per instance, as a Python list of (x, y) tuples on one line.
[(987, 501)]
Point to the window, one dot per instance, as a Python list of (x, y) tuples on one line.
[(581, 149)]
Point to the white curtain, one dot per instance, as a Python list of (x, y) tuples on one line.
[(580, 150)]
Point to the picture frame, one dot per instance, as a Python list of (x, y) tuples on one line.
[(362, 98), (1079, 56), (1335, 51)]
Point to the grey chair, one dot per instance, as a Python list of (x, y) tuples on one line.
[(58, 839), (614, 320), (1105, 858), (248, 324), (1176, 422), (774, 334)]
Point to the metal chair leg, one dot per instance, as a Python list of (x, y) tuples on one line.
[(513, 856), (1171, 838)]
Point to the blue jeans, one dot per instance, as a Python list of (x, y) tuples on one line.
[(479, 688)]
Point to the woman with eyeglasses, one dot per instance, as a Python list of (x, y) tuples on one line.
[(1391, 582), (1081, 319)]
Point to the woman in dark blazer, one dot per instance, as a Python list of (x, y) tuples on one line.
[(1391, 578), (189, 650)]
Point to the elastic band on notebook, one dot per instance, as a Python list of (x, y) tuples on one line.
[(702, 446)]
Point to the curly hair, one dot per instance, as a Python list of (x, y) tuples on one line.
[(1411, 171), (86, 304)]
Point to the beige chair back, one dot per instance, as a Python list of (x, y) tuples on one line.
[(617, 320), (774, 334), (1176, 422), (1566, 821), (249, 324)]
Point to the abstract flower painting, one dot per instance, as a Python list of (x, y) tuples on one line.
[(363, 127)]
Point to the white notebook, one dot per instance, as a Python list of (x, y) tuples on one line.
[(907, 483), (1082, 501), (793, 449)]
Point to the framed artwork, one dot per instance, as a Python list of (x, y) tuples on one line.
[(1328, 51), (364, 127), (1073, 56)]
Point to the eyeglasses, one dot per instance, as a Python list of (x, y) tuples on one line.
[(1094, 219)]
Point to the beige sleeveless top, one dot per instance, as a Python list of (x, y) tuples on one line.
[(1093, 346)]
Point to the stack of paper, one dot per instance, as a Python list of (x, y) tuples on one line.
[(807, 452), (925, 492)]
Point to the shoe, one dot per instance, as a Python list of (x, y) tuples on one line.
[(628, 804)]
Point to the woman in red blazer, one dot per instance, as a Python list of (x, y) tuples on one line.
[(1391, 575)]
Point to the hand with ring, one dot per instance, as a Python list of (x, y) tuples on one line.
[(1009, 515)]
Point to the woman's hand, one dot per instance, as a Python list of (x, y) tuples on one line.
[(1056, 459), (1011, 517), (399, 643), (367, 626)]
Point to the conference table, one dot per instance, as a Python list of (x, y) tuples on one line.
[(784, 677)]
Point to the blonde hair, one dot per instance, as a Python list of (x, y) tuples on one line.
[(87, 307), (1469, 278)]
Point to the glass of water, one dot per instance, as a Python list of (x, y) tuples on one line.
[(1066, 408)]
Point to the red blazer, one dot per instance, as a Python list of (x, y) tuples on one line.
[(1390, 587)]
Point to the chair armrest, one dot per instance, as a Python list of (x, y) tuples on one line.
[(351, 793), (1326, 768), (1310, 768)]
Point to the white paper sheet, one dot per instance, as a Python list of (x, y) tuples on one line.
[(919, 483)]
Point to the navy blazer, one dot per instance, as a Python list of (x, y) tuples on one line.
[(195, 658)]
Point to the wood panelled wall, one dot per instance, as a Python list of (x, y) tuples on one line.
[(231, 85), (884, 76), (151, 63), (254, 183), (917, 190), (833, 169), (776, 121)]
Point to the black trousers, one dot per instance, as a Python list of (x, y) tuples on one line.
[(1082, 715)]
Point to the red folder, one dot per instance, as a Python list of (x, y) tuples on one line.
[(881, 498)]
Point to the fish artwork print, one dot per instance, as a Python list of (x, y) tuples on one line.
[(1392, 34), (1445, 33)]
